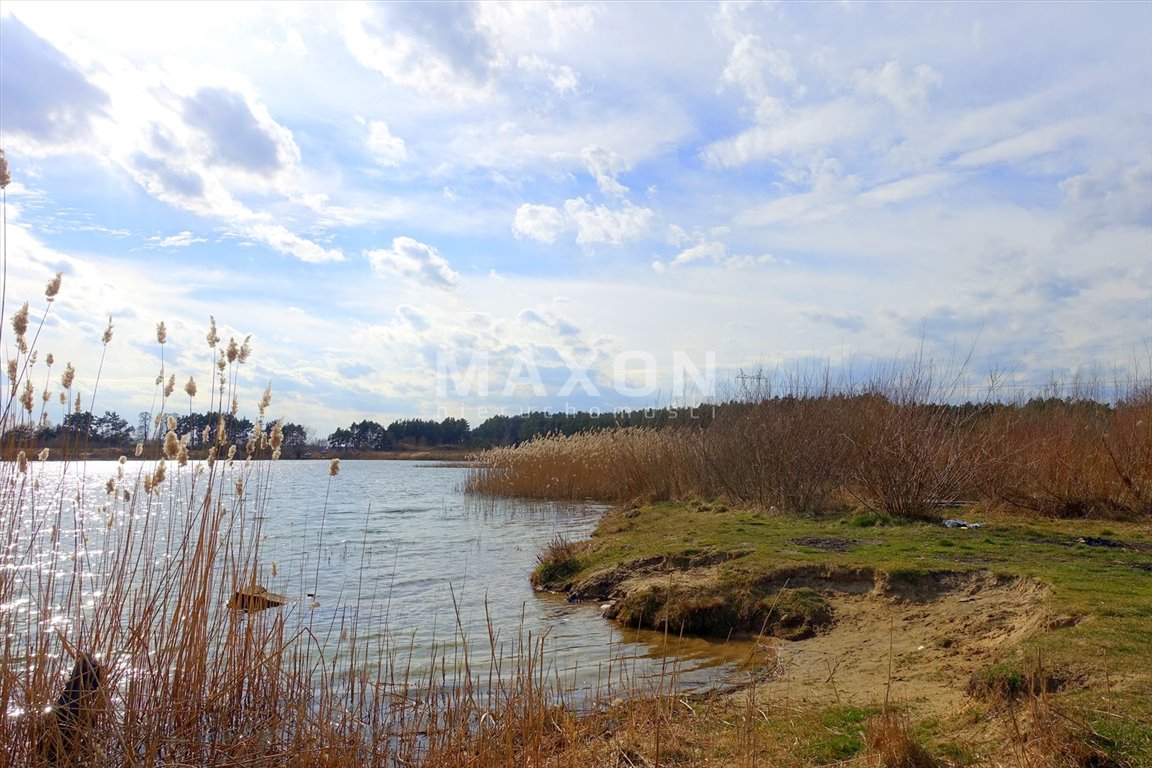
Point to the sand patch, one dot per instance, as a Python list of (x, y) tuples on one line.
[(915, 642)]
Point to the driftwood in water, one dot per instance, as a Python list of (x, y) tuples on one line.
[(254, 599)]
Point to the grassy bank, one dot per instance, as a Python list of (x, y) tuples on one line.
[(982, 639)]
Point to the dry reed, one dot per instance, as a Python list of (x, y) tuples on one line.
[(897, 445)]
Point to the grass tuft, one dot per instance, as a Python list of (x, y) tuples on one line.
[(559, 559)]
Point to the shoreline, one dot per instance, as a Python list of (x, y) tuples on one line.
[(154, 452), (938, 622)]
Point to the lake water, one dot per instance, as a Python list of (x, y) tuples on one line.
[(395, 553)]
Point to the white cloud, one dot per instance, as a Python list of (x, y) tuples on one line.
[(179, 240), (713, 250), (548, 320), (753, 65), (1025, 145), (388, 150), (413, 316), (564, 79), (907, 92), (909, 188), (233, 131), (284, 240), (821, 127), (1115, 196), (539, 222), (199, 138), (593, 225), (829, 192), (605, 166), (414, 261), (606, 225), (436, 49), (906, 176), (561, 77)]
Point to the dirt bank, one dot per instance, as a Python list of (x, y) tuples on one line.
[(920, 645), (867, 634)]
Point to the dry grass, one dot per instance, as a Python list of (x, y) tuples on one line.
[(897, 448), (892, 744), (630, 464)]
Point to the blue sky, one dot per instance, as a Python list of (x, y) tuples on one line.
[(383, 195)]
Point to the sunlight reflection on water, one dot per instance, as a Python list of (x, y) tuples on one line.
[(389, 553)]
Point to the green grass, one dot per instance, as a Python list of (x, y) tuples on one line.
[(1098, 665), (843, 734)]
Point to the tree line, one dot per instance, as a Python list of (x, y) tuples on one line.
[(499, 430), (111, 430)]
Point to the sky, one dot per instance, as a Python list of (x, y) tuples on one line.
[(420, 210)]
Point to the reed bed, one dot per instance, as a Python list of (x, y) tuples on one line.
[(898, 446), (606, 464)]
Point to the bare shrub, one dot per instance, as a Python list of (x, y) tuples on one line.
[(1078, 459), (787, 452)]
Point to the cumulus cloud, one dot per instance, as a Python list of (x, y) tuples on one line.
[(600, 224), (188, 140), (414, 261), (709, 251), (561, 77), (387, 149), (714, 251), (753, 66), (414, 317), (593, 225), (1113, 195), (167, 179), (605, 166), (538, 222), (47, 100), (530, 317), (551, 321), (433, 48), (236, 136)]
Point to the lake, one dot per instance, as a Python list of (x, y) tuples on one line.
[(393, 554)]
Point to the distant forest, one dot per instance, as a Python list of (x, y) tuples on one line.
[(499, 430), (113, 431)]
